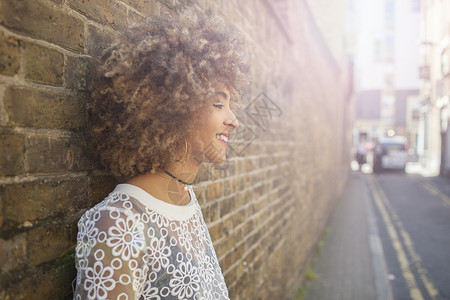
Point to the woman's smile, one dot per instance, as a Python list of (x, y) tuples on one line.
[(223, 137), (210, 139)]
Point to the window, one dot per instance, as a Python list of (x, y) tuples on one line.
[(445, 62), (415, 5)]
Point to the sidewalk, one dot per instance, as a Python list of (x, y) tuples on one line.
[(352, 265)]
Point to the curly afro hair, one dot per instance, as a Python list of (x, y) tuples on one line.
[(152, 83)]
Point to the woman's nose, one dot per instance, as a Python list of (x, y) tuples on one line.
[(232, 121)]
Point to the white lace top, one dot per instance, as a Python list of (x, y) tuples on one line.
[(134, 246)]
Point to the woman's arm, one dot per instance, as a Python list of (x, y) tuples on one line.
[(109, 255)]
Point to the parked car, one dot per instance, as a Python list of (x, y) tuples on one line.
[(390, 153)]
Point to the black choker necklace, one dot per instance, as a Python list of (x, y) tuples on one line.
[(177, 179)]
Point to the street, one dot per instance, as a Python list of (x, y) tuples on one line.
[(413, 217)]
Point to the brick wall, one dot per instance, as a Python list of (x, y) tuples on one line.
[(265, 207)]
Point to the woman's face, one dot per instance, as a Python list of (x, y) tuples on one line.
[(209, 139)]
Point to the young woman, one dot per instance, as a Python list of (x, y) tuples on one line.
[(161, 107)]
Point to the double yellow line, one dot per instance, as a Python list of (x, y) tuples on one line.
[(397, 233), (433, 191)]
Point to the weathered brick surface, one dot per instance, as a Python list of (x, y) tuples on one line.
[(1, 206), (42, 64), (100, 187), (143, 6), (48, 241), (108, 12), (13, 252), (43, 199), (98, 37), (44, 283), (265, 207), (47, 155), (9, 55), (33, 108), (133, 17), (41, 20), (214, 190), (77, 72), (12, 148)]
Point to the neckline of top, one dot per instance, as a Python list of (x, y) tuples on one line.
[(170, 211)]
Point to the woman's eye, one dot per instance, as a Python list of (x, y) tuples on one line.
[(220, 106)]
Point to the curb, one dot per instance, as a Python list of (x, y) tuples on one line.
[(382, 285)]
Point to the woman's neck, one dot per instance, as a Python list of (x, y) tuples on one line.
[(166, 188)]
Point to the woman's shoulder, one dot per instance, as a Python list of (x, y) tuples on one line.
[(127, 200), (117, 204)]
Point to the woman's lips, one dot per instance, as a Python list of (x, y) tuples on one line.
[(223, 138)]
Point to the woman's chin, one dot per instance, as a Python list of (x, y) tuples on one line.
[(217, 159)]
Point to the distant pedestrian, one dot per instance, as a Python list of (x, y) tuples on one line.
[(161, 107), (361, 154), (377, 157)]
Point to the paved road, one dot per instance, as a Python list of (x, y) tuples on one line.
[(413, 217)]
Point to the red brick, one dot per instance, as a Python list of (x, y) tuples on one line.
[(12, 149), (9, 55), (42, 199), (43, 65), (32, 108), (107, 12), (40, 19)]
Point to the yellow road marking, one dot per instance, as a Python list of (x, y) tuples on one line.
[(423, 273), (433, 191), (414, 290), (431, 290)]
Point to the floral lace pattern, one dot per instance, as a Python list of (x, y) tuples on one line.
[(128, 250)]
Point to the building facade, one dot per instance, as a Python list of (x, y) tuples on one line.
[(434, 134), (386, 69)]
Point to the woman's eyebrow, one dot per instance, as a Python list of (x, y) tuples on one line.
[(224, 95)]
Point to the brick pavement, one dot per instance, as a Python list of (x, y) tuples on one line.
[(351, 266)]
